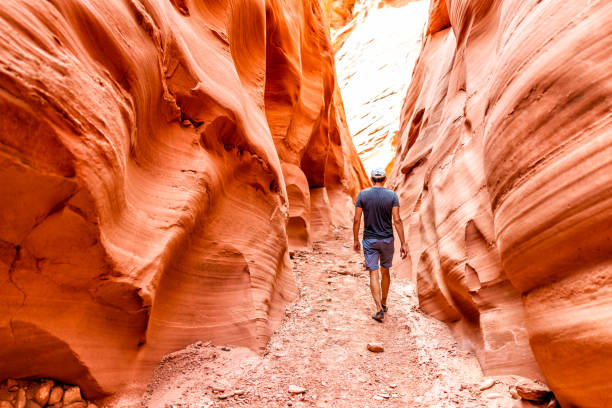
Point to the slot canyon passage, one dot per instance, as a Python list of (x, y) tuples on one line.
[(177, 180)]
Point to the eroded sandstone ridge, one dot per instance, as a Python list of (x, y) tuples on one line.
[(153, 156), (505, 175)]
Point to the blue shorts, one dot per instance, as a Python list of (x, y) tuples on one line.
[(375, 248)]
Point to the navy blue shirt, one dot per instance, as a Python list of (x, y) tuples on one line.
[(377, 204)]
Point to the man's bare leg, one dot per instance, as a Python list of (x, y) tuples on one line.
[(375, 288), (386, 281)]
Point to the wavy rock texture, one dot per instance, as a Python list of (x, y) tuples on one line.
[(505, 175), (153, 156), (379, 48)]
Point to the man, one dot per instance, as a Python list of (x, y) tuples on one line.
[(379, 206)]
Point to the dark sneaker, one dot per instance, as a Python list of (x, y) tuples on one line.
[(379, 316), (384, 308)]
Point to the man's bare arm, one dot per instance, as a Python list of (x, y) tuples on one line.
[(356, 224), (399, 227)]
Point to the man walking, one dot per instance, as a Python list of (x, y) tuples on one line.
[(379, 207)]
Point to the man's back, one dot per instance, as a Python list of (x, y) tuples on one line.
[(377, 204)]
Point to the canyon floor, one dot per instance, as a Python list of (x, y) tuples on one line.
[(321, 347)]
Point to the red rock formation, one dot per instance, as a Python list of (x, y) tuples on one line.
[(504, 172), (152, 154)]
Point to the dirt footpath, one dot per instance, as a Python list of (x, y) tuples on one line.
[(318, 357)]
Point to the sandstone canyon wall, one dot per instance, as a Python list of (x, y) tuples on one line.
[(155, 155), (504, 172)]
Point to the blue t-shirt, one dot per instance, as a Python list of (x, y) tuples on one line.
[(377, 204)]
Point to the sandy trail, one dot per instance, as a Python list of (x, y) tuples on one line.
[(321, 346)]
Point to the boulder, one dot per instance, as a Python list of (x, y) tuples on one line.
[(533, 391)]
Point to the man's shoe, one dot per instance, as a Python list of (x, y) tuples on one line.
[(384, 308), (379, 316)]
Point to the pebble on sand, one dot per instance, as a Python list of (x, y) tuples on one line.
[(376, 347), (217, 388), (294, 389), (486, 384), (226, 395)]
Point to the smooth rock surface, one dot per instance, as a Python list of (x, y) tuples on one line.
[(156, 161), (504, 173)]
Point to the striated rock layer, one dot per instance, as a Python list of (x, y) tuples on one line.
[(155, 157), (504, 172)]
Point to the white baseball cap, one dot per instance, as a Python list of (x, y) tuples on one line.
[(378, 172)]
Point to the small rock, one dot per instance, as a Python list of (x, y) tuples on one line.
[(21, 398), (72, 394), (378, 398), (486, 384), (393, 385), (376, 347), (226, 348), (198, 343), (43, 392), (238, 392), (289, 403), (12, 385), (394, 395), (225, 395), (294, 389), (56, 395), (494, 395), (513, 392), (533, 391), (385, 396), (92, 405), (5, 404), (217, 388), (32, 404)]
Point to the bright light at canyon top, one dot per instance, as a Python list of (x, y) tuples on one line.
[(375, 54)]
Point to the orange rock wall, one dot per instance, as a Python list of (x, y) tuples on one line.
[(504, 172), (154, 157)]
